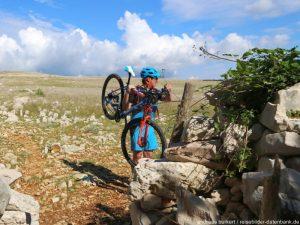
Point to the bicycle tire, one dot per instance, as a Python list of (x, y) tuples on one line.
[(104, 106), (136, 122)]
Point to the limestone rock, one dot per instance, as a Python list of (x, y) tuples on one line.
[(252, 189), (151, 202), (290, 183), (138, 217), (4, 196), (283, 143), (11, 158), (289, 190), (12, 117), (233, 138), (24, 203), (16, 218), (72, 148), (9, 175), (199, 128), (290, 97), (274, 117), (290, 208), (193, 210), (255, 132), (220, 196), (80, 176), (266, 164), (293, 163), (161, 178), (202, 152)]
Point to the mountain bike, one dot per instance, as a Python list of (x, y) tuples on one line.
[(112, 98)]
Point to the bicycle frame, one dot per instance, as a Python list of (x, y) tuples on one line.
[(123, 114)]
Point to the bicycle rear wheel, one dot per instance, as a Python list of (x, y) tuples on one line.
[(127, 145), (112, 95)]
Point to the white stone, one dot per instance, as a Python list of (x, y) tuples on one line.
[(199, 128), (220, 196), (275, 116), (233, 138), (24, 203), (11, 158), (252, 195), (80, 176), (289, 190), (151, 202), (15, 218), (266, 164), (9, 175), (138, 217), (202, 152), (194, 210), (161, 178), (72, 148), (4, 196), (19, 102), (12, 117), (283, 143)]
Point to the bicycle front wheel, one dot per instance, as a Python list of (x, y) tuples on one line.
[(155, 136), (112, 95)]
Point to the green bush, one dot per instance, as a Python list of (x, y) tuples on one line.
[(293, 113), (245, 90), (39, 92), (259, 74)]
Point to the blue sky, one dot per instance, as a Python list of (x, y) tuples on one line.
[(99, 37)]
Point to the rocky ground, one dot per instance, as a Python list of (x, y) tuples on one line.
[(52, 130)]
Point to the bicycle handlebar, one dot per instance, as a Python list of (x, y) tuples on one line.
[(149, 97)]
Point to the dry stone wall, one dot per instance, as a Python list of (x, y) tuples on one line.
[(189, 187)]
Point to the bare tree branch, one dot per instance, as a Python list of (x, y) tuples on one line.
[(204, 52)]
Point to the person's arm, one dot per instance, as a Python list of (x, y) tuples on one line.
[(167, 95), (126, 104)]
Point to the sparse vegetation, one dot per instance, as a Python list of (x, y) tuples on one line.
[(293, 113), (39, 92)]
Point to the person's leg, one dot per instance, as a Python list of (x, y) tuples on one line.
[(137, 155), (148, 154)]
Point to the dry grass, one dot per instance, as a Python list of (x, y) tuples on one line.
[(102, 201)]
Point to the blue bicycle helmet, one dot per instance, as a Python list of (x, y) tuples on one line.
[(149, 72)]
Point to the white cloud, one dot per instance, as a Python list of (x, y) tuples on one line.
[(279, 40), (38, 46), (214, 9)]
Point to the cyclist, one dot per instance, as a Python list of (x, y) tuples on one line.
[(133, 95)]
